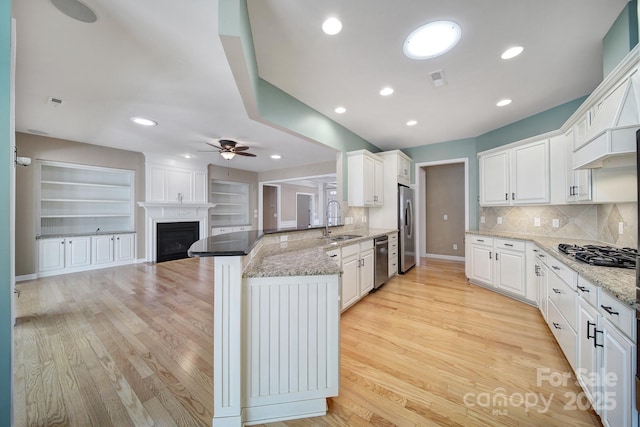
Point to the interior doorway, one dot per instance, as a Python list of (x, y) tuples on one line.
[(304, 210), (269, 207), (442, 201)]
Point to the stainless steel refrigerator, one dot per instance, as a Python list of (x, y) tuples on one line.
[(407, 244)]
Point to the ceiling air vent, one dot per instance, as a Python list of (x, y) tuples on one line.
[(56, 102), (437, 78)]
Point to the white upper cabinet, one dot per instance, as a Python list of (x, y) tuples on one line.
[(518, 175), (174, 185), (366, 179)]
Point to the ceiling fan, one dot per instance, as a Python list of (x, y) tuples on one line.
[(228, 149)]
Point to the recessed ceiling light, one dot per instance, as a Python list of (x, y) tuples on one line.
[(386, 91), (412, 123), (340, 110), (503, 102), (276, 156), (332, 26), (512, 52), (432, 39), (142, 121)]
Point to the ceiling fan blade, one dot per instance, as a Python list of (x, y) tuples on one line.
[(246, 154), (240, 148), (214, 146)]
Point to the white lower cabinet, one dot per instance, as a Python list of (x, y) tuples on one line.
[(65, 255), (499, 263), (357, 262), (606, 355)]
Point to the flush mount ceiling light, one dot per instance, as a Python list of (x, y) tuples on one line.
[(412, 123), (142, 121), (512, 52), (276, 156), (386, 91), (503, 102), (332, 26), (340, 110), (76, 10), (432, 40)]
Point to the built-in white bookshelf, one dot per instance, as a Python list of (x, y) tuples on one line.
[(79, 199), (232, 203)]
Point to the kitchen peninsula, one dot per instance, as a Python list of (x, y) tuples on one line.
[(276, 324)]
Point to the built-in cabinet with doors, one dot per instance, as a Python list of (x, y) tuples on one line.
[(595, 330), (78, 205), (365, 179), (499, 264), (357, 261), (170, 184), (397, 170), (518, 175)]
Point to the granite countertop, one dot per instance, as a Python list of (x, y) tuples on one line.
[(295, 257), (618, 282)]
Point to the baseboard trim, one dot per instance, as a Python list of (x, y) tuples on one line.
[(26, 277), (447, 257)]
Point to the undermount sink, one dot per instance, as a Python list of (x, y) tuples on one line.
[(344, 237)]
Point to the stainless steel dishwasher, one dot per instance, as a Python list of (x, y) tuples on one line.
[(381, 261)]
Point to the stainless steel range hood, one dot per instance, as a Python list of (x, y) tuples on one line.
[(610, 140)]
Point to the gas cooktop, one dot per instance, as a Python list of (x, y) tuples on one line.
[(604, 256)]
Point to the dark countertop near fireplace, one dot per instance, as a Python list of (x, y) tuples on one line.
[(230, 244)]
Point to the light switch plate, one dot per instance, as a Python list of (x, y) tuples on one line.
[(499, 220), (536, 222), (621, 228), (446, 217)]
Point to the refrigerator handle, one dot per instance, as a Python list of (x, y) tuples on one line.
[(408, 219)]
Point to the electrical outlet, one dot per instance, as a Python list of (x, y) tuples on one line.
[(536, 222), (499, 220), (446, 217), (284, 238), (621, 228), (482, 220), (455, 247), (348, 220), (555, 223)]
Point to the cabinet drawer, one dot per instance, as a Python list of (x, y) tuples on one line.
[(334, 254), (564, 298), (564, 272), (481, 240), (588, 291), (564, 333), (367, 244), (350, 250), (618, 314), (393, 237), (514, 245)]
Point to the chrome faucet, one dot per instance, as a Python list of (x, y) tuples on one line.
[(326, 222)]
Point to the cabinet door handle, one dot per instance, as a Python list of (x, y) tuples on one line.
[(571, 190), (555, 267), (608, 309), (62, 243), (489, 254), (557, 291), (509, 244), (506, 196), (513, 196), (536, 270), (583, 289), (496, 256), (556, 325), (480, 240), (595, 338), (333, 256), (535, 250), (589, 336)]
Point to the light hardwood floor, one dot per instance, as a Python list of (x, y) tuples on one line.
[(133, 346)]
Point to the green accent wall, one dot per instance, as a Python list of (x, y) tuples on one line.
[(621, 37), (6, 379)]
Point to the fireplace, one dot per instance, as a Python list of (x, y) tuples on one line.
[(175, 238)]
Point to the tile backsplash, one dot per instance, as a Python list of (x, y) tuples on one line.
[(593, 222)]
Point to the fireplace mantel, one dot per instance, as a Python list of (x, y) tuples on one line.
[(156, 212)]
